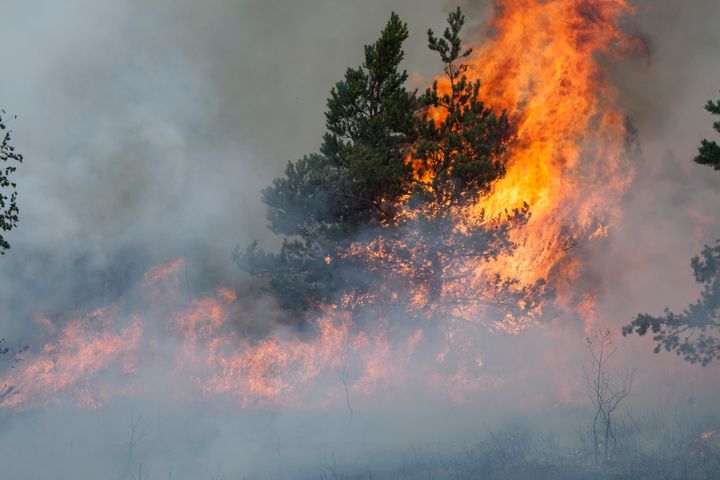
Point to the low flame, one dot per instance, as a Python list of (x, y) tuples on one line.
[(209, 357)]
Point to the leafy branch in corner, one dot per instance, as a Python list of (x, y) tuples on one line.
[(694, 333)]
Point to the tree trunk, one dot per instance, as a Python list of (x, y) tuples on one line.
[(435, 280), (607, 439)]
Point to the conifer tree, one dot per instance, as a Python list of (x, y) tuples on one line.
[(325, 200), (456, 160), (694, 333), (375, 211)]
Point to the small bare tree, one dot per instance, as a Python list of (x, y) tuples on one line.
[(140, 475), (606, 389), (135, 436)]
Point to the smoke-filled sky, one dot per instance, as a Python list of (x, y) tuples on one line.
[(149, 129), (158, 122)]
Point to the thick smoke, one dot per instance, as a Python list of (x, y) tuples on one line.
[(149, 129)]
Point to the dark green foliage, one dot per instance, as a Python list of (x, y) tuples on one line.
[(686, 333), (351, 194), (457, 159), (462, 153), (692, 334), (370, 120), (326, 199), (299, 203), (709, 150), (8, 195), (297, 274)]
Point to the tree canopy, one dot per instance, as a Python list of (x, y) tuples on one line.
[(326, 199), (693, 333), (372, 211), (9, 212)]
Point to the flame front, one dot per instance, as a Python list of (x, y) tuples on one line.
[(566, 162)]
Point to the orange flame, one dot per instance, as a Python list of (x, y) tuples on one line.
[(87, 347), (567, 161), (210, 356)]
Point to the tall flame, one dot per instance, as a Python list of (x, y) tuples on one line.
[(567, 162)]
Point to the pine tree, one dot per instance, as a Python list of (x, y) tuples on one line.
[(375, 211), (694, 333), (326, 200), (456, 160)]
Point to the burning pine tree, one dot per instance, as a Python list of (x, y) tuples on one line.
[(463, 202), (376, 213)]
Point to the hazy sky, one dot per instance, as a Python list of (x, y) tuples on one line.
[(149, 128), (159, 122)]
